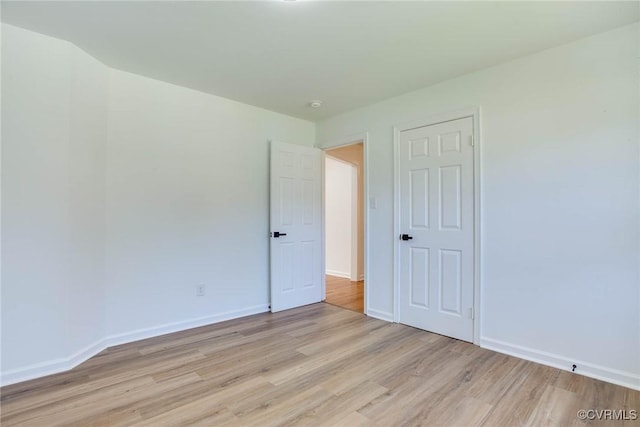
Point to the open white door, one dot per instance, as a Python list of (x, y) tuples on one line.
[(296, 226)]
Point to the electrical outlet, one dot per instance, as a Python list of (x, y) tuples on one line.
[(200, 290)]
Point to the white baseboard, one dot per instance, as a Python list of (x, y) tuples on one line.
[(361, 277), (338, 274), (64, 364), (382, 315), (167, 328), (626, 379), (50, 367)]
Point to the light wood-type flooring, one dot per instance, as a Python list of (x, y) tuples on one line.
[(314, 365), (345, 293)]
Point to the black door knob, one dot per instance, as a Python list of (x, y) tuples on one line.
[(405, 237), (278, 234)]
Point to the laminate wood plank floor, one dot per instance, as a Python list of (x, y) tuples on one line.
[(345, 293), (310, 366)]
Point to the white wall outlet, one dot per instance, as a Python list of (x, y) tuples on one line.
[(200, 290)]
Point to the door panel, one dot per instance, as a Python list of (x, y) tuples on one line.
[(450, 281), (286, 201), (419, 281), (295, 200), (419, 198), (436, 210), (450, 189)]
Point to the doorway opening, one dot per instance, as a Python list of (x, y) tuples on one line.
[(344, 226)]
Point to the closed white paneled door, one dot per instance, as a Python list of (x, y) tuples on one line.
[(436, 226), (296, 226)]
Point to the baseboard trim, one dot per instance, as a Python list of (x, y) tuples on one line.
[(625, 379), (382, 315), (56, 366), (361, 277), (338, 274), (51, 367), (167, 328)]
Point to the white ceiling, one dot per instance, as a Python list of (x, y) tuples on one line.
[(280, 55)]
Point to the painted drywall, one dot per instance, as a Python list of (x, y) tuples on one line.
[(120, 195), (338, 181), (87, 163), (354, 154), (53, 189), (187, 202), (559, 211)]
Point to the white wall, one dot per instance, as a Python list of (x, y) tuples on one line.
[(87, 169), (187, 203), (560, 200), (53, 146), (338, 216), (120, 194)]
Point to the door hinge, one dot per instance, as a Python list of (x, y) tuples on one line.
[(472, 141), (471, 313)]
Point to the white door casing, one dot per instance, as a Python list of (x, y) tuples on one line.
[(296, 217), (436, 210)]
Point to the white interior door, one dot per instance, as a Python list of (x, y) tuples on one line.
[(296, 226), (437, 229)]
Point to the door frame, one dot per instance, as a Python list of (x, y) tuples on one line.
[(474, 113), (337, 143)]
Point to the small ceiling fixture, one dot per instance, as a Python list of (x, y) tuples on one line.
[(316, 103)]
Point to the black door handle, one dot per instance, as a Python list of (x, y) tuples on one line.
[(278, 234), (405, 237)]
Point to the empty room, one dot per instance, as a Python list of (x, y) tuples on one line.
[(335, 213)]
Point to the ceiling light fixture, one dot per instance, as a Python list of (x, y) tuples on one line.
[(316, 103)]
